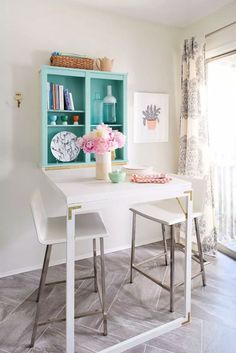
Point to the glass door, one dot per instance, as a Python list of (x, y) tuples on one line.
[(222, 130)]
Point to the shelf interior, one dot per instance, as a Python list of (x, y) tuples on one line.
[(77, 130), (69, 121), (100, 86), (75, 85)]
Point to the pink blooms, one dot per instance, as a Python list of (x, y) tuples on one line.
[(101, 145), (102, 139), (88, 146), (119, 139)]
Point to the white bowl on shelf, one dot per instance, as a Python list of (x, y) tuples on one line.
[(140, 170)]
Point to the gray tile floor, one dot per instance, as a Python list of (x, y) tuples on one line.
[(133, 309)]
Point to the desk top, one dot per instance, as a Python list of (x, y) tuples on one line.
[(77, 189)]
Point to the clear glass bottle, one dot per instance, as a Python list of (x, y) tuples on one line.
[(109, 107), (97, 113)]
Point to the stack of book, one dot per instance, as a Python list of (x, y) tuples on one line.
[(59, 98)]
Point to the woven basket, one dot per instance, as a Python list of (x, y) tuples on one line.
[(72, 62)]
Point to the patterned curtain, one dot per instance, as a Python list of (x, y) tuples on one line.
[(194, 157)]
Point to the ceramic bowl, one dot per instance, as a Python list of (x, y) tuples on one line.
[(117, 177)]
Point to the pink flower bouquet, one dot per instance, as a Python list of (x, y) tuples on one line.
[(101, 140)]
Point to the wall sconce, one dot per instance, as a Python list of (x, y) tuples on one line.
[(18, 98)]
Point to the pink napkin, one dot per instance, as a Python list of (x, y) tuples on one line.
[(160, 178)]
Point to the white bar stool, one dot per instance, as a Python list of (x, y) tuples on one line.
[(170, 213), (51, 231)]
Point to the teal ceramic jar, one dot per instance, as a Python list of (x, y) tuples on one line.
[(64, 119), (53, 119)]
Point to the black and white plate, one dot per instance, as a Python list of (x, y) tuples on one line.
[(63, 146)]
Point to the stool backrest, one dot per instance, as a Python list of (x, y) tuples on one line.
[(199, 191), (39, 215)]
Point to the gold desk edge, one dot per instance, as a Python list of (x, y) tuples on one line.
[(188, 320), (71, 209), (190, 192)]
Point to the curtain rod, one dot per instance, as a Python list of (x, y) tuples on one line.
[(220, 29), (220, 56)]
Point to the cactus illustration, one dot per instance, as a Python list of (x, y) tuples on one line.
[(151, 113), (151, 116)]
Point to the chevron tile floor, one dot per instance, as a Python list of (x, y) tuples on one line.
[(132, 308)]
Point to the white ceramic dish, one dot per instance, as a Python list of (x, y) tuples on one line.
[(135, 169), (63, 146)]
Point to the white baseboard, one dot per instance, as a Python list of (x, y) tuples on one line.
[(63, 261), (226, 251)]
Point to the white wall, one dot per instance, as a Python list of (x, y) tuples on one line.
[(29, 31), (218, 19)]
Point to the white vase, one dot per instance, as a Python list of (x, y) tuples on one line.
[(103, 166)]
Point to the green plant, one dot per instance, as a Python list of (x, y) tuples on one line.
[(151, 113)]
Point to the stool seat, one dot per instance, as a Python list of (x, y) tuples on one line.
[(53, 230), (170, 213), (87, 226), (167, 212)]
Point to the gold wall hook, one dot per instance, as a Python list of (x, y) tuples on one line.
[(18, 98)]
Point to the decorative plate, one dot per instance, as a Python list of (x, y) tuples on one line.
[(63, 146), (141, 170)]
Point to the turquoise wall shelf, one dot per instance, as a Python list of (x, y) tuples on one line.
[(84, 85)]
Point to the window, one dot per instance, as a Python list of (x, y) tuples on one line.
[(222, 130)]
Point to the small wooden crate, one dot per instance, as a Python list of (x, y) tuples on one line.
[(72, 62)]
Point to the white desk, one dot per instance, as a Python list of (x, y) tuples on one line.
[(87, 194)]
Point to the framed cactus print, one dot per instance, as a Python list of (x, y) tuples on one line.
[(151, 117)]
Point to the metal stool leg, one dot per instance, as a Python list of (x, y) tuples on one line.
[(40, 290), (199, 244), (165, 243), (103, 288), (132, 247), (95, 265), (172, 267)]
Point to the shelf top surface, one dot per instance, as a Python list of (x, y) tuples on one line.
[(65, 111), (51, 69), (66, 125), (106, 124)]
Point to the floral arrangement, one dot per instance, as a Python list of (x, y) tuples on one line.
[(101, 140)]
